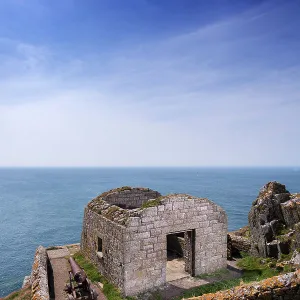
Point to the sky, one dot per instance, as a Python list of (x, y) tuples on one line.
[(149, 83)]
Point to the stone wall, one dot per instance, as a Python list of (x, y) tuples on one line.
[(111, 264), (283, 287), (127, 197), (145, 240), (39, 275), (135, 240)]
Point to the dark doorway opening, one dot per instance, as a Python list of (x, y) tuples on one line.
[(177, 250), (175, 245)]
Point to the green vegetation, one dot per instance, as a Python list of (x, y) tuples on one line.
[(254, 269), (110, 291), (253, 263), (124, 188), (120, 189), (283, 238), (13, 296), (288, 268), (247, 233), (285, 257), (23, 294), (283, 230), (210, 288), (152, 203)]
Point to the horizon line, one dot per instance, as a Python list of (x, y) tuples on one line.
[(119, 167)]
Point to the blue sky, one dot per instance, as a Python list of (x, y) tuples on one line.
[(149, 83)]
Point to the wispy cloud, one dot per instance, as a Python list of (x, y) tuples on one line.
[(219, 95)]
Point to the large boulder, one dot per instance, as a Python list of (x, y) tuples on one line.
[(268, 219)]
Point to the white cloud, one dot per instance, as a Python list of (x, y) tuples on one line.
[(190, 100)]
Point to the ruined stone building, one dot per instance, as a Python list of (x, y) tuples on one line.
[(133, 235)]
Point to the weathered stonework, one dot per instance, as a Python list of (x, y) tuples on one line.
[(39, 275), (129, 246)]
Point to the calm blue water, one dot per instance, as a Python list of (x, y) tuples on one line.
[(45, 206)]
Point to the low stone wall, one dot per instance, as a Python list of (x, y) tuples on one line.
[(283, 287), (39, 275)]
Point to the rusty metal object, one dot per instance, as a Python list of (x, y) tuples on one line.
[(83, 289), (78, 273)]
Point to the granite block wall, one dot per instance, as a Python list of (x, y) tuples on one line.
[(134, 250), (146, 242), (110, 263)]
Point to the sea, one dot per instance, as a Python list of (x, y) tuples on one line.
[(44, 206)]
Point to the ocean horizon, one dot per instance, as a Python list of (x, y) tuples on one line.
[(44, 205)]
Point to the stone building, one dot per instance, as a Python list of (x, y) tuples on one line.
[(132, 234)]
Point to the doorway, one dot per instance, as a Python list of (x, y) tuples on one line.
[(180, 255)]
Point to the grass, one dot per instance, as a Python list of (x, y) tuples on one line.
[(248, 276), (253, 263), (152, 203), (23, 294), (285, 257), (254, 269), (110, 291)]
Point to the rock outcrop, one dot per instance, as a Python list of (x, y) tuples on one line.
[(273, 219)]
